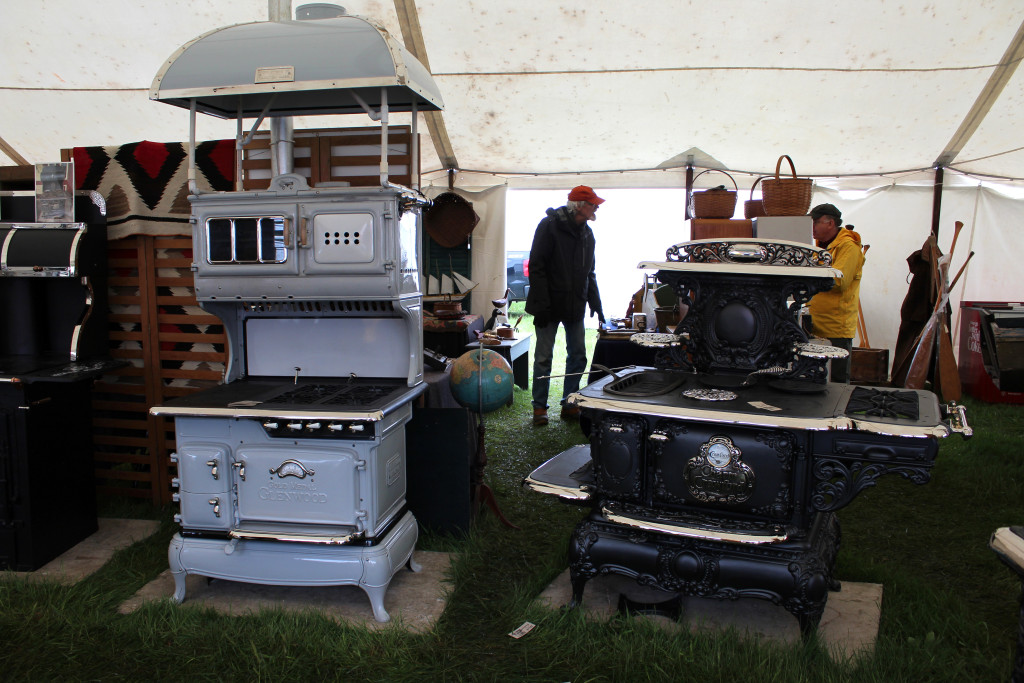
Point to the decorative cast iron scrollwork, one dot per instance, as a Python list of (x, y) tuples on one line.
[(839, 482), (748, 251)]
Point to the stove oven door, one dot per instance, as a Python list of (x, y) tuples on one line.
[(725, 468), (617, 449), (203, 486), (299, 492)]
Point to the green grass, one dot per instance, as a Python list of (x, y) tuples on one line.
[(949, 608)]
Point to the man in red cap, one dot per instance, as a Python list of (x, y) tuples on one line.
[(562, 284)]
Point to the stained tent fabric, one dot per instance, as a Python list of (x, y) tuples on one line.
[(866, 97)]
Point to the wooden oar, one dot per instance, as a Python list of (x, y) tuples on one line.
[(917, 375)]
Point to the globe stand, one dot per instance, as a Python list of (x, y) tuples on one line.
[(483, 492)]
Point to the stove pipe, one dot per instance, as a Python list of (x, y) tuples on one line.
[(282, 144)]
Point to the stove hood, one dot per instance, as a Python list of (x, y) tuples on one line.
[(339, 65)]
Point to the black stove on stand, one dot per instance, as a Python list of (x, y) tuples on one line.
[(719, 472), (53, 345)]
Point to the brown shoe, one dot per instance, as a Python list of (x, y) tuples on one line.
[(570, 412), (540, 417)]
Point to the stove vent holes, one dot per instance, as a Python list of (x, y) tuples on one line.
[(320, 307)]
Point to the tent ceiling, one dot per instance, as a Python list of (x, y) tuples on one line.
[(536, 87)]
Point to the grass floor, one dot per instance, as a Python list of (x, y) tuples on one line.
[(949, 608)]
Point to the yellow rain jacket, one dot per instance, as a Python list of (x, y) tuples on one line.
[(834, 313)]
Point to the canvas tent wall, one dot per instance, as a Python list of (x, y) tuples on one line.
[(867, 95)]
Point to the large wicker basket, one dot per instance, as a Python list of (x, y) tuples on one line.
[(754, 208), (714, 203), (786, 196)]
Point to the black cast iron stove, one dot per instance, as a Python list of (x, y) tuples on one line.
[(719, 472)]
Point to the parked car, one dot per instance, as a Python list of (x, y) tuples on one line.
[(518, 264)]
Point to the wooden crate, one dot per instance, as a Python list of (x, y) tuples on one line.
[(720, 228), (869, 366)]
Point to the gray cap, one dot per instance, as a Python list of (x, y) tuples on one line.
[(827, 210)]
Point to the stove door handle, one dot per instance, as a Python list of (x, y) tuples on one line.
[(215, 502), (658, 436), (212, 464), (303, 233), (287, 232), (240, 466)]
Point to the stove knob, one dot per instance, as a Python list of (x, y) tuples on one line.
[(174, 457), (312, 426), (270, 426), (336, 426), (357, 428), (176, 497), (294, 426)]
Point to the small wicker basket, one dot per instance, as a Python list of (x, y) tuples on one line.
[(786, 196), (753, 208), (713, 203)]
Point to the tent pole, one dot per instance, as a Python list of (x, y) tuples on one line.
[(937, 201), (689, 187)]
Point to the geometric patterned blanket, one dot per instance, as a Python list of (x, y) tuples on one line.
[(145, 184)]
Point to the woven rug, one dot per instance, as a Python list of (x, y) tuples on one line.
[(145, 184)]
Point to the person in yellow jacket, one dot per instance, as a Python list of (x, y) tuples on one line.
[(834, 313)]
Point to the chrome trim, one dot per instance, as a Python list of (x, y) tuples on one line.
[(72, 255), (563, 492), (742, 269), (327, 539), (768, 419), (172, 411), (3, 247), (665, 526)]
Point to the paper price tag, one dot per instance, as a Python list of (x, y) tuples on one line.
[(522, 630)]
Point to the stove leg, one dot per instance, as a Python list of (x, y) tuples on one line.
[(413, 565), (376, 595), (177, 568), (578, 584)]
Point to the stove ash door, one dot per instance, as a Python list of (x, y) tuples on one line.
[(203, 482)]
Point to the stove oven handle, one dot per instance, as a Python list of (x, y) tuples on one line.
[(287, 232), (303, 233), (957, 416)]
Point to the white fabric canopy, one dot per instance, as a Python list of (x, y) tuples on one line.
[(864, 95)]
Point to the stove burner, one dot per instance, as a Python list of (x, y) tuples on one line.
[(710, 394), (335, 394), (876, 403), (646, 383)]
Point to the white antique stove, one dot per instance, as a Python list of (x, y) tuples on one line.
[(719, 472), (293, 471)]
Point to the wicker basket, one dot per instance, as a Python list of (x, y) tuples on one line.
[(786, 196), (753, 208), (713, 203)]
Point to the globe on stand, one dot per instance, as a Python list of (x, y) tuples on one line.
[(481, 380)]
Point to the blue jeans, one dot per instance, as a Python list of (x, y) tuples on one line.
[(575, 360)]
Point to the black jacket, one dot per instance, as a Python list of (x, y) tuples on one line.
[(562, 279)]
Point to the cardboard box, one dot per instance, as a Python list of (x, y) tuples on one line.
[(792, 228), (719, 228)]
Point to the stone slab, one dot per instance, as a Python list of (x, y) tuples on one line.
[(414, 600), (93, 552), (848, 628)]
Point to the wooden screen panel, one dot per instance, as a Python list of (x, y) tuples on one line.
[(326, 155), (173, 348)]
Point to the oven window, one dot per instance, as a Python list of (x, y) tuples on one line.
[(249, 239)]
